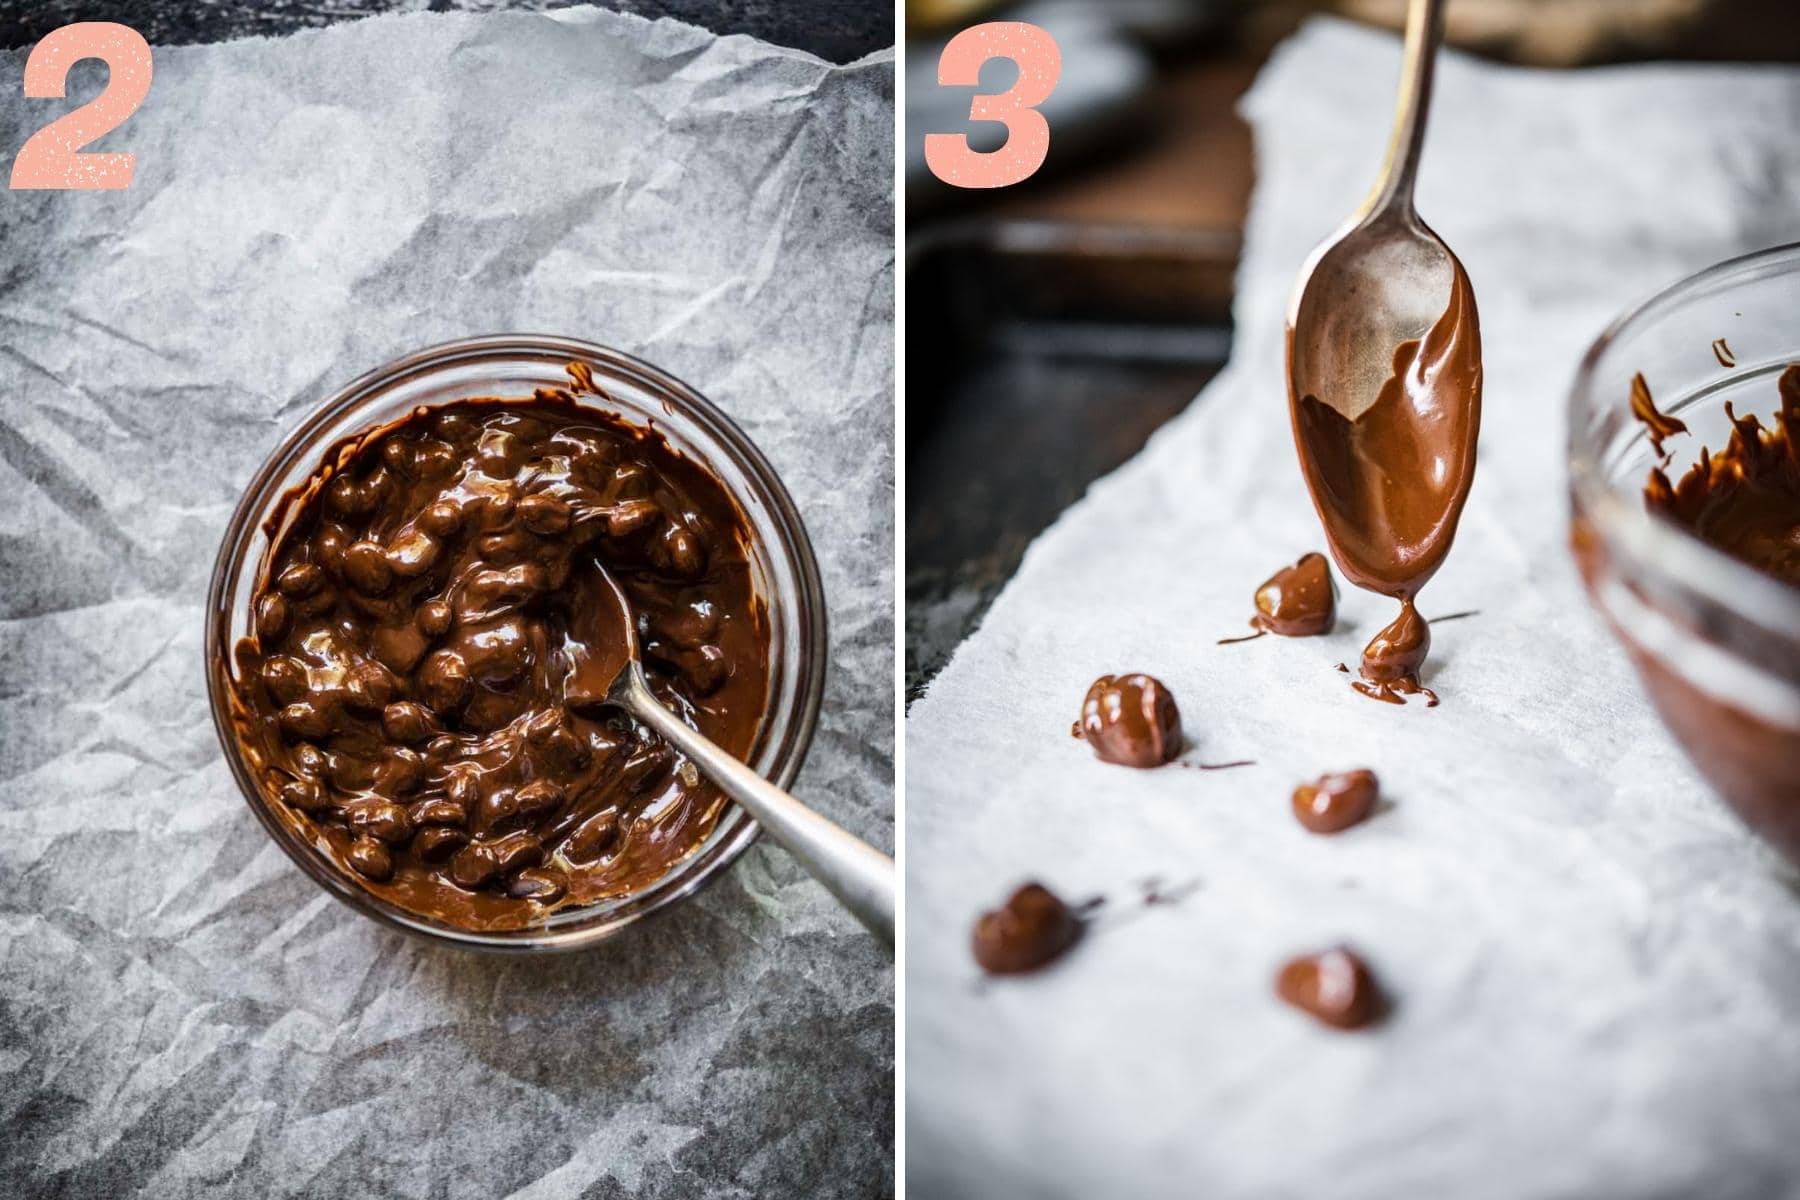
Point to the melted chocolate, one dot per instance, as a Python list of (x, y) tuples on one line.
[(1393, 657), (1723, 353), (1297, 601), (1130, 720), (1659, 424), (1031, 930), (1746, 499), (430, 609), (1333, 803), (1390, 483), (1334, 986)]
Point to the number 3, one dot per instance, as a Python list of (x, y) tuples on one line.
[(1027, 133), (48, 159)]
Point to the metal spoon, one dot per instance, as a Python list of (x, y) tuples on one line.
[(1384, 309), (860, 876), (1383, 277)]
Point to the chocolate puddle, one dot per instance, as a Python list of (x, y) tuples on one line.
[(1390, 485)]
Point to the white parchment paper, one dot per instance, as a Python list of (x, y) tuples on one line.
[(1596, 971), (182, 1013)]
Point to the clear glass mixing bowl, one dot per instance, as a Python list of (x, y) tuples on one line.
[(786, 577), (1716, 642)]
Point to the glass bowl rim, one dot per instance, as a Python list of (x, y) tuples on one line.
[(810, 625), (1617, 513)]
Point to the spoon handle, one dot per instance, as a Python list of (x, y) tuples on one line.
[(859, 875), (1424, 32)]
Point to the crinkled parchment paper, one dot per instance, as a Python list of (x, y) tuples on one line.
[(1596, 970), (181, 1011)]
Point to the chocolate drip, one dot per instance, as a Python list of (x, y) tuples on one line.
[(1390, 483), (1392, 659)]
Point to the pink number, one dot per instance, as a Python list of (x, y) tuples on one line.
[(48, 159), (1027, 133)]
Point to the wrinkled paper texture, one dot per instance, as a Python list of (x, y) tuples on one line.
[(1596, 970), (181, 1010)]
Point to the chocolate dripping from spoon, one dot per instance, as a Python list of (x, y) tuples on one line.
[(1390, 484)]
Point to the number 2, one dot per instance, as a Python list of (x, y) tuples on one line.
[(48, 159), (1027, 133)]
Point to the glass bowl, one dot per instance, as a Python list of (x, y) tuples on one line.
[(786, 576), (1716, 642)]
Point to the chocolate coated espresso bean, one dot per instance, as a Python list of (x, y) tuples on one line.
[(437, 810), (444, 681), (399, 772), (406, 721), (271, 616), (516, 851), (371, 859), (305, 795), (285, 678), (382, 820), (307, 719), (631, 516), (366, 567), (1031, 930), (300, 580), (433, 618), (413, 553), (592, 838), (544, 514), (1334, 986), (435, 603), (436, 843), (542, 884), (1298, 601), (1336, 802), (368, 687), (442, 519), (1131, 720)]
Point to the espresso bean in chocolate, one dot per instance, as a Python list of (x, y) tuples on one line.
[(1131, 720), (431, 591), (1298, 601), (1389, 479), (1335, 802), (1393, 658), (1334, 986), (1032, 929)]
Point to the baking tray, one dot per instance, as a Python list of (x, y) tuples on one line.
[(1040, 355)]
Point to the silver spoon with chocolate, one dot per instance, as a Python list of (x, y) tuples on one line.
[(1384, 384), (860, 876)]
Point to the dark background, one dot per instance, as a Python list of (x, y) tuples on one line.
[(838, 30)]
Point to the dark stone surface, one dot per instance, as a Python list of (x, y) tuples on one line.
[(838, 30)]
